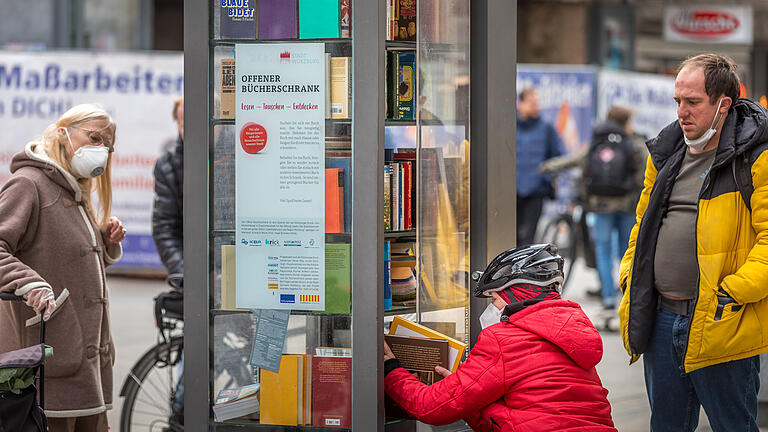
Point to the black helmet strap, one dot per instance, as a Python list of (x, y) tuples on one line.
[(517, 306)]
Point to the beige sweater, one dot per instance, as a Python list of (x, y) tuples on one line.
[(47, 238)]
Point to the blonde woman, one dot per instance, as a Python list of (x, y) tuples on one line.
[(57, 236)]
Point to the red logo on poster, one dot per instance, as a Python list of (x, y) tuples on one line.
[(253, 138), (705, 24)]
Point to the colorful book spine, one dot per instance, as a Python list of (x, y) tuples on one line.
[(227, 100), (278, 19), (387, 276), (319, 19), (405, 81), (387, 197), (345, 164), (341, 87), (237, 19), (405, 17), (334, 200), (346, 19)]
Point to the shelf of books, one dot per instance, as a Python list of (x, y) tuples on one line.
[(281, 167)]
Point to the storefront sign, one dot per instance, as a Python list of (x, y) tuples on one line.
[(280, 183), (709, 24), (137, 89)]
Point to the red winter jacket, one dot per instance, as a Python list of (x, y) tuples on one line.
[(535, 372)]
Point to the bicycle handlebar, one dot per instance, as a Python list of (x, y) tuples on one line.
[(8, 296)]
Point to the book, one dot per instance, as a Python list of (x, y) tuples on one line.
[(406, 78), (227, 100), (341, 86), (334, 200), (277, 19), (390, 85), (345, 19), (237, 19), (387, 197), (232, 403), (420, 355), (345, 164), (319, 19), (405, 19), (338, 278), (328, 86), (228, 271), (333, 352), (332, 392), (387, 276), (403, 327), (285, 395)]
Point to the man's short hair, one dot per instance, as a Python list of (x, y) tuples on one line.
[(179, 101), (525, 93), (619, 115), (720, 75)]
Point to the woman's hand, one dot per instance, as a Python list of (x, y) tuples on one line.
[(41, 299), (115, 232), (387, 352), (442, 371)]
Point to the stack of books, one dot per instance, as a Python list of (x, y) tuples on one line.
[(236, 402)]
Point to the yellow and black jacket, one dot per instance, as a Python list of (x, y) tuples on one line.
[(731, 241)]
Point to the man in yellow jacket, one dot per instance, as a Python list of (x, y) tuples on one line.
[(695, 274)]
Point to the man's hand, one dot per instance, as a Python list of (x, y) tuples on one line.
[(115, 232), (388, 352), (42, 299), (442, 371)]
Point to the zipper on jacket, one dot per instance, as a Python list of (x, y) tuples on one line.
[(698, 269)]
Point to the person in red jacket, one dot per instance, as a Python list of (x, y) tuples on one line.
[(533, 366)]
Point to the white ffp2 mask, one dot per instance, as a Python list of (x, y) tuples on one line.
[(88, 161), (490, 316), (701, 142)]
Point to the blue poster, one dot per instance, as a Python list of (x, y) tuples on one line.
[(566, 100)]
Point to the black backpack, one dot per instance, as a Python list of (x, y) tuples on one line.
[(610, 166)]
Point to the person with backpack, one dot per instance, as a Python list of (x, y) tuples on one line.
[(533, 366), (695, 274), (612, 178)]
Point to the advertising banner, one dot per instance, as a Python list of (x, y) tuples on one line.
[(137, 89), (731, 24), (280, 176), (649, 96), (566, 100)]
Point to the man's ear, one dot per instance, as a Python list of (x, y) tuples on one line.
[(727, 102)]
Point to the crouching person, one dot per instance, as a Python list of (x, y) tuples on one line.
[(533, 366)]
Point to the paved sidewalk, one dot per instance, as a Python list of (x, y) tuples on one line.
[(625, 382)]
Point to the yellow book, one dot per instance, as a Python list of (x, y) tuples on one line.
[(403, 327), (285, 396), (341, 85)]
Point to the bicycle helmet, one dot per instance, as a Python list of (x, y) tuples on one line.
[(539, 266)]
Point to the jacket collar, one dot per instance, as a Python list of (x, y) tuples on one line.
[(745, 127), (59, 175)]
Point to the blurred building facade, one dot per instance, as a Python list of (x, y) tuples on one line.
[(106, 25), (629, 34)]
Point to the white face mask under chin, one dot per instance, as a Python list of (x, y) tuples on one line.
[(701, 142), (490, 316), (88, 161)]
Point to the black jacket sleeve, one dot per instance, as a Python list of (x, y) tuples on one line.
[(167, 211)]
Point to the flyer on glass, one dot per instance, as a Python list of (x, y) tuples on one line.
[(280, 190)]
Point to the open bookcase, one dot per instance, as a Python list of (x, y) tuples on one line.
[(385, 135)]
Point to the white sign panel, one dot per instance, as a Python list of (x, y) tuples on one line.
[(649, 96), (709, 24), (137, 89), (280, 182)]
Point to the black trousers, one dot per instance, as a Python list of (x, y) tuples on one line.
[(528, 214)]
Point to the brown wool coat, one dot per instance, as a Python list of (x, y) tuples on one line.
[(47, 238)]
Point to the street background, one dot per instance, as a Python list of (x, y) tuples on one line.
[(134, 332)]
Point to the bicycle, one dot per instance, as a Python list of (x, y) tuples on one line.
[(153, 390), (149, 390)]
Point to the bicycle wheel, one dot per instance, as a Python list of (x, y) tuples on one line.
[(149, 389), (560, 233)]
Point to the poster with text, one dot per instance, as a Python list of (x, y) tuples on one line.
[(280, 176), (649, 96), (136, 89)]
